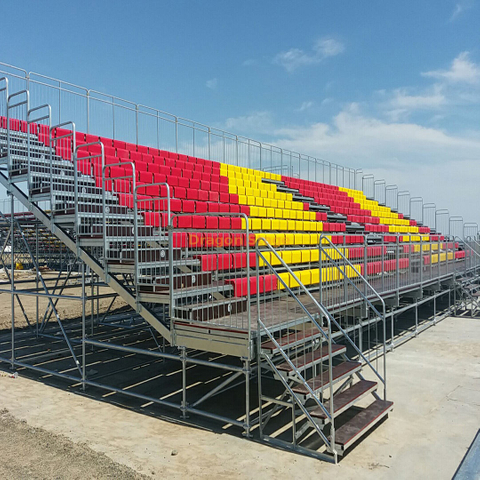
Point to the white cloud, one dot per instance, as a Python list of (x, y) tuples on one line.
[(212, 84), (305, 106), (460, 8), (462, 70), (252, 124), (328, 47), (401, 99), (295, 57), (427, 161), (249, 62), (327, 100), (378, 137), (400, 103)]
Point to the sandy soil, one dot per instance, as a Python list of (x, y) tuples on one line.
[(67, 309), (33, 453), (433, 381)]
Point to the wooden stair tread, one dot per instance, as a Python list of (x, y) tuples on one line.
[(307, 358), (338, 371), (345, 398), (292, 338), (361, 422)]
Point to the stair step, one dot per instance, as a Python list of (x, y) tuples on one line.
[(292, 339), (182, 280), (309, 359), (345, 399), (360, 424), (336, 217), (302, 198), (319, 208), (320, 382), (275, 182), (202, 293), (354, 228), (211, 310)]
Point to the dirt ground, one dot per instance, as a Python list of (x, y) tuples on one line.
[(67, 309), (433, 380), (34, 453)]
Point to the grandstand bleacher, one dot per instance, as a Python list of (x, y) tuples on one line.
[(295, 278)]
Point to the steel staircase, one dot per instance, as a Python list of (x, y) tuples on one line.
[(52, 181), (322, 383)]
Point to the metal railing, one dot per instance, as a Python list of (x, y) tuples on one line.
[(300, 317), (114, 117)]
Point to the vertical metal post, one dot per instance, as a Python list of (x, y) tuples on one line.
[(365, 263), (88, 111), (176, 135), (236, 151), (416, 317), (260, 149), (12, 272), (246, 363), (158, 131), (183, 356), (113, 119), (398, 266), (421, 263), (224, 149), (59, 102), (193, 139), (36, 280), (209, 144), (84, 376)]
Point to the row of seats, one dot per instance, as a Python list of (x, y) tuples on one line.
[(442, 257), (270, 283), (427, 247), (185, 174)]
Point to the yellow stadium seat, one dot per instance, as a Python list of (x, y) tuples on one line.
[(287, 256), (296, 256), (305, 256), (289, 239), (298, 239), (256, 224), (305, 277), (280, 239)]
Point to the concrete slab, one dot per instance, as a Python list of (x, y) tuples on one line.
[(434, 381)]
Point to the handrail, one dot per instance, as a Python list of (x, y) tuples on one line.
[(466, 244), (301, 285), (383, 316), (302, 407), (356, 271), (30, 121), (328, 336), (321, 307), (138, 108), (170, 242), (52, 141)]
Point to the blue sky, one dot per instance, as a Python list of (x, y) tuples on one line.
[(390, 87)]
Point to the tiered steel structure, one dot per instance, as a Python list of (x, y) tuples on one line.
[(291, 288)]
